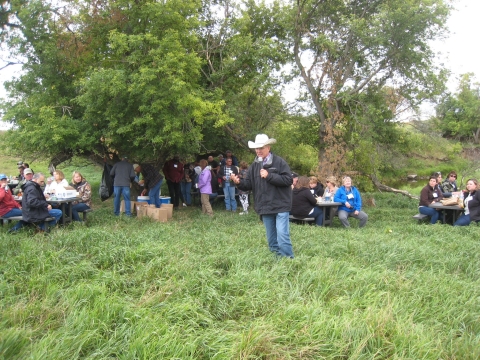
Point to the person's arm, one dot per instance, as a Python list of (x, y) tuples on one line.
[(86, 194), (340, 196), (2, 193), (358, 201), (310, 198)]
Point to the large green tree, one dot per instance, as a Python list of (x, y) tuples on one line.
[(345, 49)]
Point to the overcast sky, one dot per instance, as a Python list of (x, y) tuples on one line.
[(460, 52)]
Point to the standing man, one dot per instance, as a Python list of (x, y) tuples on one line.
[(270, 178), (228, 186), (152, 181), (34, 205), (228, 154), (123, 174), (173, 171)]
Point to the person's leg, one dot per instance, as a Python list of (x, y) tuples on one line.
[(117, 191), (269, 221), (171, 190), (126, 197), (463, 220), (283, 234), (154, 194), (206, 204), (12, 213), (188, 195), (80, 207), (57, 214), (178, 195), (318, 215), (244, 201), (233, 201), (343, 216), (183, 190), (362, 217), (227, 199), (434, 214)]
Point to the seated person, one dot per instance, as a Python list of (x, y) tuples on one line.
[(84, 191), (27, 176), (430, 194), (35, 208), (449, 186), (46, 191), (59, 183), (304, 202), (316, 187), (331, 187), (351, 201), (8, 206), (470, 207)]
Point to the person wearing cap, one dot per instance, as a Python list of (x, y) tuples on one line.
[(8, 206), (270, 178), (35, 208), (152, 181), (229, 154), (173, 171), (27, 174), (123, 174)]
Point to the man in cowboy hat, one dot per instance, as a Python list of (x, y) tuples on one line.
[(270, 178)]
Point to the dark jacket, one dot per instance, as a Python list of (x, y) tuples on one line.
[(303, 202), (273, 194), (34, 205), (173, 170), (474, 207), (151, 176), (318, 190), (221, 173), (122, 173), (427, 195)]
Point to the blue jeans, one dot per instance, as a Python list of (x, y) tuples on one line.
[(15, 212), (434, 214), (186, 188), (318, 215), (56, 213), (278, 233), (118, 191), (154, 194), (229, 192), (463, 220), (80, 207)]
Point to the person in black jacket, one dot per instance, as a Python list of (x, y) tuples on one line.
[(303, 202), (270, 178), (34, 205)]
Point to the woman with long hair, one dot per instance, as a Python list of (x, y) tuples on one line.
[(84, 192), (304, 202), (471, 202)]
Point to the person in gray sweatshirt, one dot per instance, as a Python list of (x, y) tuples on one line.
[(123, 174)]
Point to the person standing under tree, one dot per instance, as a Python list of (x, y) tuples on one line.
[(123, 174), (270, 178), (173, 171)]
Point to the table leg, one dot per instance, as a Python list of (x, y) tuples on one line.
[(63, 213)]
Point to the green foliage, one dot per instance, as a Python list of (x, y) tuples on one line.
[(458, 115)]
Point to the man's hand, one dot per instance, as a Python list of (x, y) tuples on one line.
[(49, 207), (355, 212), (235, 178), (143, 192), (263, 173)]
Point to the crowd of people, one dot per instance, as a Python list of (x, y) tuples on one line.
[(278, 192), (437, 190), (30, 197)]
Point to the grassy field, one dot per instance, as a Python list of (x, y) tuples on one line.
[(201, 288)]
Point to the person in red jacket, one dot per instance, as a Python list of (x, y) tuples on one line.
[(8, 206), (173, 171)]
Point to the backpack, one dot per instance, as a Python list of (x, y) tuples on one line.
[(106, 186)]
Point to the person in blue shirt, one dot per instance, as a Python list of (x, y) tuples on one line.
[(351, 201)]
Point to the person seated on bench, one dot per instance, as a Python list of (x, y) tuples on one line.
[(303, 202), (430, 194), (8, 206), (471, 204), (84, 191), (35, 208), (351, 201), (27, 174)]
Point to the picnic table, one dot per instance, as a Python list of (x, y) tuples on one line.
[(456, 210)]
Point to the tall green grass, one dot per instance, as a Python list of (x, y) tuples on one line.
[(201, 288)]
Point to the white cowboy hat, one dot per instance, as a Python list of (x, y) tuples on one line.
[(260, 141)]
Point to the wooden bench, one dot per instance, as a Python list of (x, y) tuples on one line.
[(18, 218), (420, 217), (305, 220), (85, 214)]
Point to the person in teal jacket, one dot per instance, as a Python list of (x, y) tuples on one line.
[(351, 201)]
